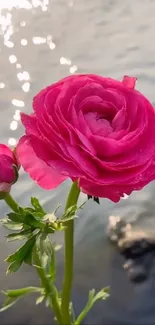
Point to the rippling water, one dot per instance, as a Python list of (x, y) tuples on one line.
[(40, 42)]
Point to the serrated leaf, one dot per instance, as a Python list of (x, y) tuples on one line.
[(38, 215), (10, 225), (92, 298), (35, 203), (102, 294), (15, 217), (14, 295), (30, 220), (26, 216), (20, 255), (18, 235), (69, 214)]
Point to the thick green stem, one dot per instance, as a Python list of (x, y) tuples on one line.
[(69, 251), (11, 202)]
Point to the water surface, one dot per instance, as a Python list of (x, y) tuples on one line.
[(40, 42)]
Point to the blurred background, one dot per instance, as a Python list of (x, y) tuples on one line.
[(42, 41)]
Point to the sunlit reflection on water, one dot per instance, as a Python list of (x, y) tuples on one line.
[(18, 103), (2, 85), (23, 76), (10, 29), (18, 66), (25, 4), (26, 87), (13, 125), (17, 115), (39, 40), (73, 69), (12, 59), (12, 141), (65, 61), (23, 42)]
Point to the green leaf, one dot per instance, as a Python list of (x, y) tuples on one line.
[(13, 267), (57, 247), (29, 258), (47, 255), (102, 294), (66, 219), (19, 235), (35, 203), (38, 215), (39, 300), (21, 255), (14, 295), (69, 212), (92, 298), (27, 216), (31, 221), (9, 302), (15, 217), (10, 225)]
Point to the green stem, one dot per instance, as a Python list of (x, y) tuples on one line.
[(69, 251), (49, 288), (11, 202)]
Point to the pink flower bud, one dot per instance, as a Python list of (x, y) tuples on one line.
[(8, 169)]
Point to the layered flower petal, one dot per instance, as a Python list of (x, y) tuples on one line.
[(96, 130), (45, 176)]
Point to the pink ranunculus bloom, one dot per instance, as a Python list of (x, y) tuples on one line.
[(96, 130), (8, 169)]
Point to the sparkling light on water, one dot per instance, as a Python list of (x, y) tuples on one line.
[(23, 41), (26, 87), (2, 85), (73, 69), (12, 142), (66, 61), (18, 103), (39, 40), (17, 115), (13, 125), (12, 59), (23, 76)]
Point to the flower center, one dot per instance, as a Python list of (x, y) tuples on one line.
[(99, 124)]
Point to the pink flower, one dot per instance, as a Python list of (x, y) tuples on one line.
[(96, 130), (8, 169)]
